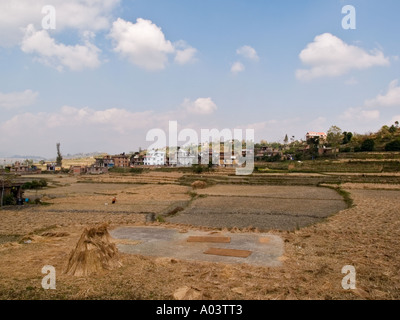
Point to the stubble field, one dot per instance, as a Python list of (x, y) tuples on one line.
[(365, 236)]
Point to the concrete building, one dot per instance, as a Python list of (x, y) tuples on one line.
[(104, 162), (321, 135), (155, 158), (78, 170)]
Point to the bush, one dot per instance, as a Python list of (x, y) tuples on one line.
[(357, 149), (9, 200), (275, 158), (345, 150), (136, 170), (368, 145), (35, 184), (393, 146), (198, 169)]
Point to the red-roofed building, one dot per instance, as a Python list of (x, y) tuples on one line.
[(321, 135)]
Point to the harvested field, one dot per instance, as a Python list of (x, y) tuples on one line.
[(366, 236), (262, 207)]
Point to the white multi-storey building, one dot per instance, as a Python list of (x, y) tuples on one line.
[(154, 158), (186, 159)]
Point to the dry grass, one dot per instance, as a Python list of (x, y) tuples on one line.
[(94, 253), (366, 236)]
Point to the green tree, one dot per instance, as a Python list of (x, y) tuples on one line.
[(335, 137), (314, 144), (393, 146), (347, 137), (392, 129), (368, 145), (59, 156)]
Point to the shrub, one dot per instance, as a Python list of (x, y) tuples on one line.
[(9, 200), (274, 158), (346, 150), (368, 145), (35, 184), (198, 169), (136, 170), (393, 146)]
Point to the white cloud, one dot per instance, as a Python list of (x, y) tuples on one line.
[(248, 52), (390, 99), (360, 114), (144, 44), (93, 15), (184, 53), (237, 67), (57, 55), (86, 129), (17, 99), (202, 106), (329, 56), (81, 128)]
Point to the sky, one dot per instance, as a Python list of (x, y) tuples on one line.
[(98, 75)]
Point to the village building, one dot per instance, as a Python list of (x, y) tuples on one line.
[(97, 170), (183, 158), (11, 188), (78, 170), (121, 161), (321, 135), (104, 162), (51, 167), (137, 160), (155, 158), (18, 167)]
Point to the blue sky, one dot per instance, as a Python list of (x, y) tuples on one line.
[(113, 70)]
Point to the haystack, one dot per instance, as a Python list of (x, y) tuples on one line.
[(199, 185), (94, 253)]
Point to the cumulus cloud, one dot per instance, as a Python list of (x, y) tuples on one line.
[(58, 55), (370, 110), (93, 15), (184, 53), (360, 114), (144, 44), (390, 99), (329, 56), (15, 100), (237, 67), (248, 53), (202, 106), (87, 129)]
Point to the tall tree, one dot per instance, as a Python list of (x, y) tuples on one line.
[(314, 144), (59, 156), (335, 137), (286, 139), (347, 137)]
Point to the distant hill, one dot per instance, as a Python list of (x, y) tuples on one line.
[(83, 155), (26, 157)]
